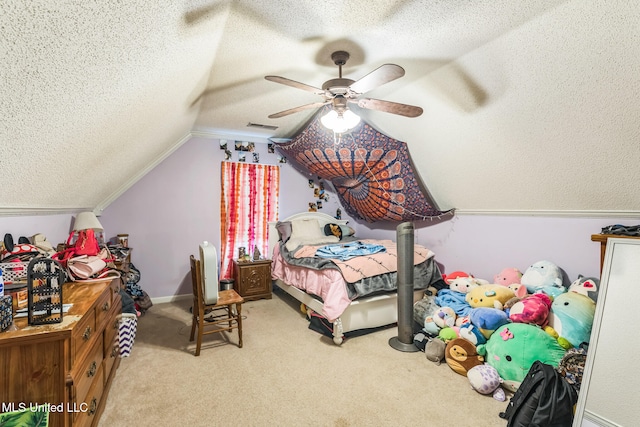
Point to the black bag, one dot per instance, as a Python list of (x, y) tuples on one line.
[(544, 399)]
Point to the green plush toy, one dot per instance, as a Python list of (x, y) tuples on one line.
[(514, 347)]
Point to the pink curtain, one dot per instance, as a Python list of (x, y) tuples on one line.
[(249, 201)]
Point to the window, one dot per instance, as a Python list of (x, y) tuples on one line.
[(249, 201)]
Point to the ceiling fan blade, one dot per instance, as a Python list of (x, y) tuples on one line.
[(296, 109), (293, 83), (389, 107), (381, 75)]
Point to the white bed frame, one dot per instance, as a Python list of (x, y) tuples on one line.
[(364, 313)]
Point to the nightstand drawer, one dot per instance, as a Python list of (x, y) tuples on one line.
[(252, 280)]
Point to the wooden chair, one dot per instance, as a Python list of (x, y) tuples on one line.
[(213, 318)]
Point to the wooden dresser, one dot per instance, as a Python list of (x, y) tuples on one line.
[(603, 238), (68, 365), (252, 279)]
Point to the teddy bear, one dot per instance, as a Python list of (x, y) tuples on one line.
[(461, 356)]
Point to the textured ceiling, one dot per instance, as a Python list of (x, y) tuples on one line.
[(529, 106)]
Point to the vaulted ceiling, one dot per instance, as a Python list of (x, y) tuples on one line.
[(529, 107)]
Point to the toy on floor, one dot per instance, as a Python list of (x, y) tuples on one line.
[(424, 308), (434, 350), (514, 347), (485, 380), (444, 316), (489, 296), (588, 286), (449, 333), (533, 309), (572, 316), (543, 276), (488, 319), (461, 356)]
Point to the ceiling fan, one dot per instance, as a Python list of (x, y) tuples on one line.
[(342, 91)]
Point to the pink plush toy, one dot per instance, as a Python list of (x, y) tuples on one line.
[(533, 309), (507, 277), (454, 275)]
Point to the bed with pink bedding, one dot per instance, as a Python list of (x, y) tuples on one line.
[(355, 293)]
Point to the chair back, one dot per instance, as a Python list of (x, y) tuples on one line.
[(209, 271), (196, 282)]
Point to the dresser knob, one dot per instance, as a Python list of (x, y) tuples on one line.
[(105, 307), (92, 369), (87, 333), (93, 407)]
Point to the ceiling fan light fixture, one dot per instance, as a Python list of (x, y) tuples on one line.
[(340, 122)]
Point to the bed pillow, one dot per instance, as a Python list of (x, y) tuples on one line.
[(340, 231), (284, 230), (307, 232)]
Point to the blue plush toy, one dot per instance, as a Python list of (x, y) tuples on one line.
[(572, 317), (543, 276), (488, 319), (586, 286)]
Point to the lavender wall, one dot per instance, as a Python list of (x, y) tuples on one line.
[(170, 211), (484, 245)]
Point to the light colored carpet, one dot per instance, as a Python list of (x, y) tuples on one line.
[(285, 375)]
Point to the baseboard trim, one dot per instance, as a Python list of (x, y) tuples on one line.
[(171, 298)]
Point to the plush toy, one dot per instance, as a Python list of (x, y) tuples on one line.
[(420, 340), (586, 286), (465, 284), (519, 289), (472, 333), (430, 326), (444, 316), (533, 309), (449, 333), (434, 350), (489, 296), (488, 319), (543, 276), (572, 317), (424, 308), (514, 347), (485, 380), (508, 276), (461, 356), (448, 278)]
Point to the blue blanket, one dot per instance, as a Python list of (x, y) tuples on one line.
[(347, 251), (455, 300)]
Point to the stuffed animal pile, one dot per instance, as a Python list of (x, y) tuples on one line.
[(494, 332)]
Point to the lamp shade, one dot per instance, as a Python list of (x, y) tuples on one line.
[(340, 122), (87, 220)]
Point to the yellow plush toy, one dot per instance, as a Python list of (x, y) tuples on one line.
[(489, 296)]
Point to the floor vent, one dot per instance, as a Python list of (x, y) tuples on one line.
[(261, 126)]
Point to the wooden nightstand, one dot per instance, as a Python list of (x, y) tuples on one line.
[(252, 279)]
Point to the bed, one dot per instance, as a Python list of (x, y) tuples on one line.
[(350, 304)]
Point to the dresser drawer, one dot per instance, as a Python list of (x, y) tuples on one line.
[(103, 306), (111, 345), (88, 406), (87, 371), (83, 336)]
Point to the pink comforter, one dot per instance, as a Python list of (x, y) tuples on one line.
[(327, 284), (364, 266)]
